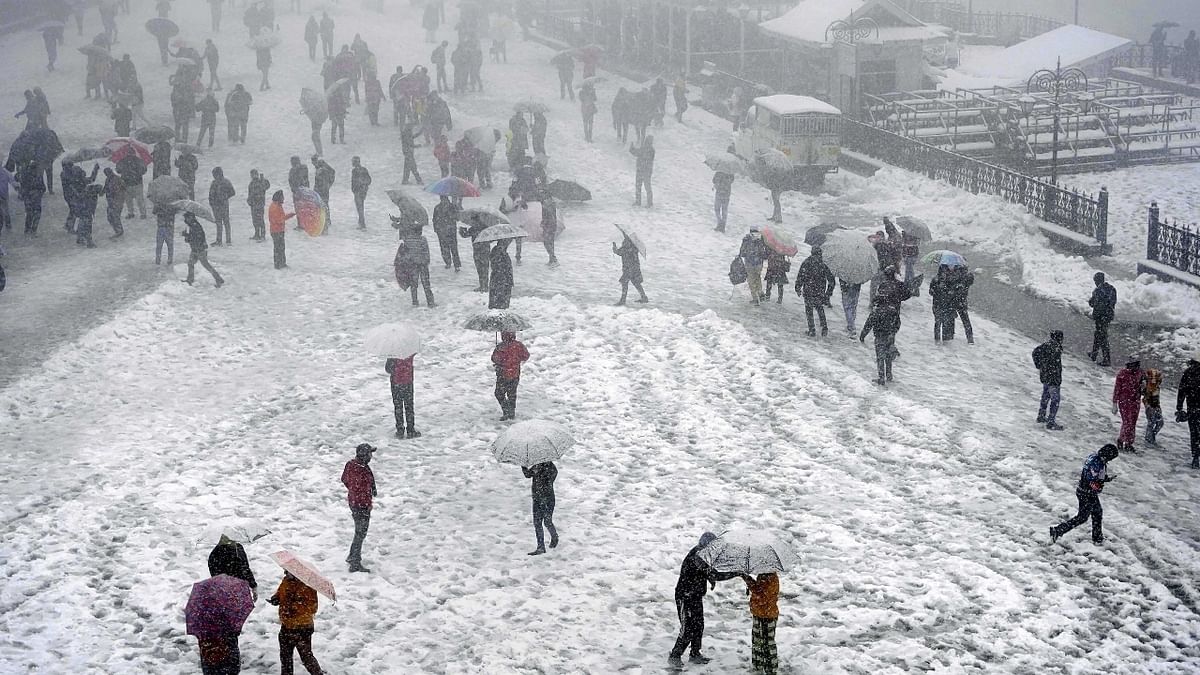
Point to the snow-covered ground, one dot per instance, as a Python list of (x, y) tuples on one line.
[(920, 512)]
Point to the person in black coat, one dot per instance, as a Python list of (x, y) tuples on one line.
[(360, 182), (939, 295), (960, 281), (1103, 303), (220, 191), (323, 179), (194, 236), (188, 165), (407, 146), (208, 108), (815, 283), (229, 557), (644, 171), (884, 321), (161, 156), (500, 281), (631, 269), (695, 578), (122, 118), (256, 199), (480, 252), (1047, 358), (32, 189), (445, 216), (543, 476), (89, 196), (1189, 393)]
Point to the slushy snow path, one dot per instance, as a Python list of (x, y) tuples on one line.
[(920, 512)]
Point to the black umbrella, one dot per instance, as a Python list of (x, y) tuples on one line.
[(36, 145), (815, 236), (160, 27), (412, 212), (154, 133), (569, 191)]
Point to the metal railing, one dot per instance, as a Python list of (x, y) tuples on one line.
[(1142, 56), (1173, 244), (1070, 209), (1007, 25)]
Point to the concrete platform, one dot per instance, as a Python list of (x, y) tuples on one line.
[(1143, 76), (1167, 273)]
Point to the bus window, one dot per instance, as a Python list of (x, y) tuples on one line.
[(775, 122)]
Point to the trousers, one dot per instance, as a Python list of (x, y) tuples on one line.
[(1089, 507), (1048, 407), (165, 235), (362, 521), (402, 403), (297, 640), (506, 395), (278, 250), (690, 610), (543, 515)]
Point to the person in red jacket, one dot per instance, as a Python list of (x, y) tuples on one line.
[(401, 371), (1127, 392), (360, 490), (508, 357)]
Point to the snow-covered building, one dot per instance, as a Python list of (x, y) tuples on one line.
[(842, 65)]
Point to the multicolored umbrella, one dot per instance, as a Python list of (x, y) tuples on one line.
[(311, 211), (950, 258), (305, 572), (530, 442), (218, 607), (121, 146), (781, 242), (453, 186)]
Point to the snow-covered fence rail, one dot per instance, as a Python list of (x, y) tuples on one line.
[(1175, 245), (1069, 209), (1005, 26)]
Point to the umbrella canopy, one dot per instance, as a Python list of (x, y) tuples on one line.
[(393, 340), (914, 228), (593, 80), (529, 219), (312, 214), (815, 236), (412, 212), (242, 531), (189, 148), (530, 106), (566, 55), (94, 50), (313, 104), (779, 241), (85, 154), (186, 61), (305, 572), (39, 145), (193, 207), (154, 133), (749, 552), (337, 86), (725, 163), (50, 24), (218, 606), (162, 27), (500, 232), (408, 85), (773, 159), (453, 186), (530, 442), (121, 146), (182, 43), (850, 256), (637, 241), (950, 258), (498, 321), (264, 40), (483, 138), (486, 217), (569, 191), (167, 189)]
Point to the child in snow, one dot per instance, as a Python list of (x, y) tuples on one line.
[(297, 604), (777, 269), (764, 607)]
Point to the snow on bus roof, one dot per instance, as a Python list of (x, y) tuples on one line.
[(789, 104)]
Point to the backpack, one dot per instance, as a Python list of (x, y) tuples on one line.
[(737, 271), (1038, 356)]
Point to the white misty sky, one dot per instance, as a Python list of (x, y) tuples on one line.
[(1129, 18)]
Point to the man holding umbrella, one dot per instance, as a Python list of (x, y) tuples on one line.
[(695, 578)]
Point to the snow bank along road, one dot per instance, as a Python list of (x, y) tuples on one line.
[(920, 511)]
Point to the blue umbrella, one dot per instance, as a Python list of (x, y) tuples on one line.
[(453, 186), (944, 258)]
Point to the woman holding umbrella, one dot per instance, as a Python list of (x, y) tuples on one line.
[(631, 268)]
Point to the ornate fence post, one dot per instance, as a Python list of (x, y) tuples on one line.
[(1102, 217), (1152, 233), (1187, 240)]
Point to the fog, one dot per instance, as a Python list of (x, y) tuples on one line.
[(1129, 19)]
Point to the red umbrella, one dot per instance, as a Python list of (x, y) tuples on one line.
[(218, 607), (779, 241), (121, 146)]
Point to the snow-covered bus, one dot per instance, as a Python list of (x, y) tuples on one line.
[(807, 130)]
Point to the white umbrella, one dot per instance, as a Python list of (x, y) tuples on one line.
[(725, 163), (850, 256), (501, 231), (637, 241), (195, 208), (242, 531), (532, 442), (749, 552), (393, 340)]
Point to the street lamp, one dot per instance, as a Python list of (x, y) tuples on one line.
[(1056, 82), (743, 11), (851, 33)]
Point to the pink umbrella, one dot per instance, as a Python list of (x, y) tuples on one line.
[(779, 241), (305, 572), (121, 146), (218, 607)]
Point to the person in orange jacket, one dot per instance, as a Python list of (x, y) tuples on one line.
[(764, 607), (278, 218), (507, 358), (297, 604)]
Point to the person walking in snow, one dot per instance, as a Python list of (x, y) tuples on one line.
[(445, 216), (220, 191), (507, 358), (122, 118), (722, 190), (500, 280), (679, 93), (311, 33), (480, 252), (1151, 384), (86, 211), (764, 607), (188, 164), (229, 557), (565, 65), (164, 218), (850, 293), (208, 108), (263, 62), (695, 579), (549, 226), (32, 188), (939, 295), (408, 147), (960, 282), (1103, 303), (1189, 393), (132, 170), (587, 108), (1091, 483), (360, 495), (542, 487), (297, 175), (400, 374), (1127, 393), (237, 113), (644, 171), (631, 269), (360, 182), (194, 236), (884, 321), (1047, 358), (326, 30), (221, 653), (297, 604), (212, 57), (753, 253), (412, 264), (278, 218), (114, 202), (814, 283), (256, 199), (537, 132), (778, 266)]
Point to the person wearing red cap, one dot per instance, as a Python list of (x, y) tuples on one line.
[(360, 492), (507, 357)]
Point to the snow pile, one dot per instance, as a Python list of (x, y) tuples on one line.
[(1076, 46)]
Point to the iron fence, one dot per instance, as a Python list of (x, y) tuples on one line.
[(1173, 244), (1070, 209), (1005, 25), (1142, 56)]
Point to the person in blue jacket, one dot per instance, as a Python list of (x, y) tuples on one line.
[(1091, 484)]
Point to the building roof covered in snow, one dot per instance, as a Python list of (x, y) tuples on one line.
[(1077, 46), (809, 20), (787, 104)]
